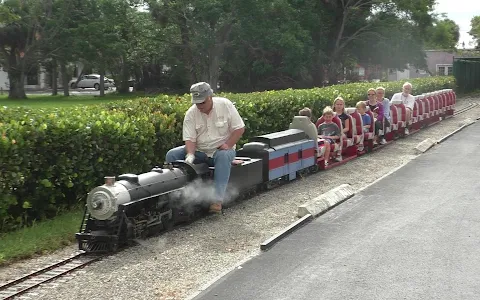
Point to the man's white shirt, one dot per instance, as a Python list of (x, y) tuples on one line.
[(408, 101), (211, 131)]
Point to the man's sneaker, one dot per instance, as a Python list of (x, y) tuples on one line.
[(383, 142), (406, 131), (338, 158), (216, 208)]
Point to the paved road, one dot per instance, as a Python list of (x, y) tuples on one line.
[(413, 235)]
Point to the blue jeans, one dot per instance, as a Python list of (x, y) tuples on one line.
[(222, 161)]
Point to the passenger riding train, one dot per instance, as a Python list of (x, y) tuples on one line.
[(130, 206)]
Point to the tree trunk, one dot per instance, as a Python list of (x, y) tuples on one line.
[(317, 71), (123, 86), (16, 77), (102, 80), (63, 70), (54, 77), (332, 72), (221, 39), (187, 51), (17, 85)]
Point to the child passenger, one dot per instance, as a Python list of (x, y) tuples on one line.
[(367, 121), (328, 132)]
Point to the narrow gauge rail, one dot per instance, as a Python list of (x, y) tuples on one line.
[(465, 108), (19, 286)]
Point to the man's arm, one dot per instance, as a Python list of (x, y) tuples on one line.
[(394, 97), (190, 147), (189, 133)]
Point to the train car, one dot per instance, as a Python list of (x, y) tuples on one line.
[(283, 154)]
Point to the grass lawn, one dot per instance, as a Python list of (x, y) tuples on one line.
[(48, 101), (41, 238)]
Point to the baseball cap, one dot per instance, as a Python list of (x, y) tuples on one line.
[(200, 91)]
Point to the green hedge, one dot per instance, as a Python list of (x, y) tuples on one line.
[(50, 159)]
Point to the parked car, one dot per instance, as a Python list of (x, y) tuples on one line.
[(91, 81)]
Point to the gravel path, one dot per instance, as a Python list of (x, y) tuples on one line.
[(177, 264)]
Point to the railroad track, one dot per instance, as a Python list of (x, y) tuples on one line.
[(19, 286), (465, 108)]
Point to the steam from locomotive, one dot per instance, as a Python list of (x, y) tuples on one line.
[(200, 192)]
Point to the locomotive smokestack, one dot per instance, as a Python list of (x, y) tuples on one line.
[(109, 180)]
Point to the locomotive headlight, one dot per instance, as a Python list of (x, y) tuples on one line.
[(103, 201)]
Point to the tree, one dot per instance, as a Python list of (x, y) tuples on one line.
[(20, 35), (269, 48), (204, 28), (347, 23), (443, 34), (398, 43), (62, 47), (475, 30)]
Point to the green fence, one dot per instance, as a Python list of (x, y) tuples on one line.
[(467, 73)]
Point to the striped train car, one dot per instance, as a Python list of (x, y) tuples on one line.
[(283, 154)]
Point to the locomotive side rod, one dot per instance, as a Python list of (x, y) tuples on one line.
[(23, 284)]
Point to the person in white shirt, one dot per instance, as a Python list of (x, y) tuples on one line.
[(408, 100), (211, 128)]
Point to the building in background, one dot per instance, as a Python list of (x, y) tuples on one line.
[(439, 63), (35, 79)]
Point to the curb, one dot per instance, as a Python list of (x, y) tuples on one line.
[(276, 238), (326, 201), (308, 211), (426, 144), (456, 131)]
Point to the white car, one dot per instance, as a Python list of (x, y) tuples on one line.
[(91, 81)]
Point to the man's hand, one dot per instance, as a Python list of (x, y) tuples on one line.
[(224, 147), (190, 158)]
